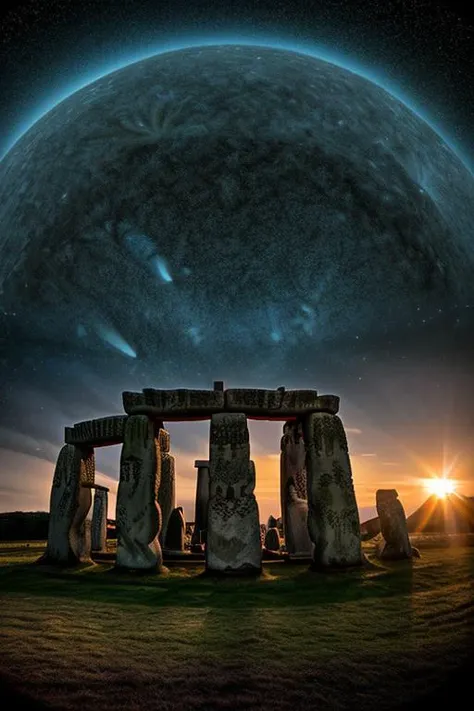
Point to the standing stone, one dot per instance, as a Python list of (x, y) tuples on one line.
[(80, 532), (272, 539), (333, 518), (202, 502), (68, 540), (99, 519), (393, 525), (272, 522), (138, 518), (233, 534), (293, 491), (176, 532), (167, 490), (263, 533)]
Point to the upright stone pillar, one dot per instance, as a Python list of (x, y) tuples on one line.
[(99, 519), (233, 533), (167, 490), (176, 532), (70, 501), (80, 533), (333, 518), (202, 502), (393, 525), (293, 491), (138, 516)]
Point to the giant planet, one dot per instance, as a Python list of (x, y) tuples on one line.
[(225, 211)]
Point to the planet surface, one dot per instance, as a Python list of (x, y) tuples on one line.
[(224, 210)]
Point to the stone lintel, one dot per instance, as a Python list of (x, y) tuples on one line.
[(173, 402), (103, 430), (279, 403), (99, 487), (182, 404), (201, 463)]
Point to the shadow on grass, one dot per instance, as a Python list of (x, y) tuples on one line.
[(278, 586), (13, 697)]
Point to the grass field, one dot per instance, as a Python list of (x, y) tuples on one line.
[(383, 637)]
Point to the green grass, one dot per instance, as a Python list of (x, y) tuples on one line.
[(372, 638)]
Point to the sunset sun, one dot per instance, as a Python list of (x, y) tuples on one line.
[(440, 487)]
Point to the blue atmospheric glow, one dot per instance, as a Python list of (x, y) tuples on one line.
[(162, 269), (257, 39), (111, 336), (139, 245), (195, 335)]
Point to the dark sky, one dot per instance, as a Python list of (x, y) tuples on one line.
[(422, 51)]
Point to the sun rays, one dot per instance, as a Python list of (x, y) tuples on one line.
[(440, 486)]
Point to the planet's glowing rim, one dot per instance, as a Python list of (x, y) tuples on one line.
[(322, 53)]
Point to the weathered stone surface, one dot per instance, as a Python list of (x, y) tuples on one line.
[(87, 466), (278, 403), (69, 505), (132, 400), (293, 491), (104, 430), (164, 439), (202, 502), (369, 529), (99, 520), (272, 539), (333, 517), (272, 522), (173, 402), (175, 533), (138, 518), (166, 492), (263, 533), (299, 541), (233, 537), (393, 526), (255, 400), (183, 403)]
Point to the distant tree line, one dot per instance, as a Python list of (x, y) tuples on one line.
[(32, 526)]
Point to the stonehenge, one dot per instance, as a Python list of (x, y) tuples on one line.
[(99, 519), (233, 533), (272, 539), (393, 525), (319, 516), (175, 534), (138, 517), (293, 491), (69, 531), (202, 502), (167, 488), (333, 517)]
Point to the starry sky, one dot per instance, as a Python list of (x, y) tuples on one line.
[(406, 396)]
